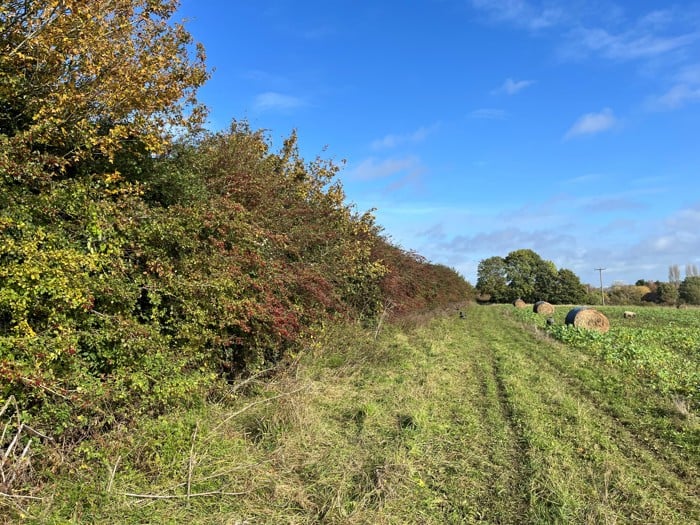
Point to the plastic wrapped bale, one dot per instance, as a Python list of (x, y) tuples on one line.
[(543, 307), (588, 318)]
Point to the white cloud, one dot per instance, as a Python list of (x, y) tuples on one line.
[(503, 241), (592, 123), (613, 205), (371, 168), (582, 179), (685, 90), (272, 101), (488, 114), (520, 13), (631, 45), (392, 140), (511, 87), (678, 96)]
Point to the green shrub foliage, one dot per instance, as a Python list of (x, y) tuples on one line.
[(122, 293)]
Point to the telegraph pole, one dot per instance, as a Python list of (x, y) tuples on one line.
[(600, 272)]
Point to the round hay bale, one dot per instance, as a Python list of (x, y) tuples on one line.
[(543, 307), (519, 303), (588, 318), (483, 298)]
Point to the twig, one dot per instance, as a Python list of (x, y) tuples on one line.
[(235, 388), (12, 444), (9, 481), (114, 471), (181, 496), (387, 308), (190, 466), (19, 496), (37, 433), (12, 400), (251, 405)]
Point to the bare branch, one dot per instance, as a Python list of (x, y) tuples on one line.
[(260, 402), (181, 496)]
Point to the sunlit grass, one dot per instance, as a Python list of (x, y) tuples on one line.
[(470, 420)]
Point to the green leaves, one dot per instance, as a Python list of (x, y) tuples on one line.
[(660, 347), (523, 274)]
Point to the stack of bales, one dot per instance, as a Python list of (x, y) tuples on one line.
[(588, 318)]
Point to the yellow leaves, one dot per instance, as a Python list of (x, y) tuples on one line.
[(39, 280), (113, 177), (118, 66), (22, 329)]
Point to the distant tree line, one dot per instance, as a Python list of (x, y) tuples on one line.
[(675, 291), (523, 274)]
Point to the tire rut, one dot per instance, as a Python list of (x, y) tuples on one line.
[(510, 450)]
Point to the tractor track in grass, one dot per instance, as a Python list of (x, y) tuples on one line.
[(508, 447)]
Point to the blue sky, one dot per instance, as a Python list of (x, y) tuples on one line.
[(478, 127)]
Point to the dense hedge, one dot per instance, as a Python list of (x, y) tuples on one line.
[(124, 293)]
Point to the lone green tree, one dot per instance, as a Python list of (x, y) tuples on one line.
[(491, 279), (667, 293), (529, 277)]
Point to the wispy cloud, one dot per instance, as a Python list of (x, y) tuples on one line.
[(506, 240), (520, 13), (685, 90), (678, 238), (372, 169), (678, 96), (273, 101), (394, 140), (638, 43), (592, 123), (488, 114), (511, 87), (412, 178), (583, 179), (584, 32), (613, 205)]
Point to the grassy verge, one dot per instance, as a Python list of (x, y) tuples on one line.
[(481, 419)]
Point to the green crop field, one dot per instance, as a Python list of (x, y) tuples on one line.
[(488, 419), (659, 345)]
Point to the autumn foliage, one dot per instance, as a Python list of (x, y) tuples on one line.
[(138, 271)]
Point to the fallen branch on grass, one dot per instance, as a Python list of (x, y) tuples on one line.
[(259, 402), (19, 496), (181, 496)]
